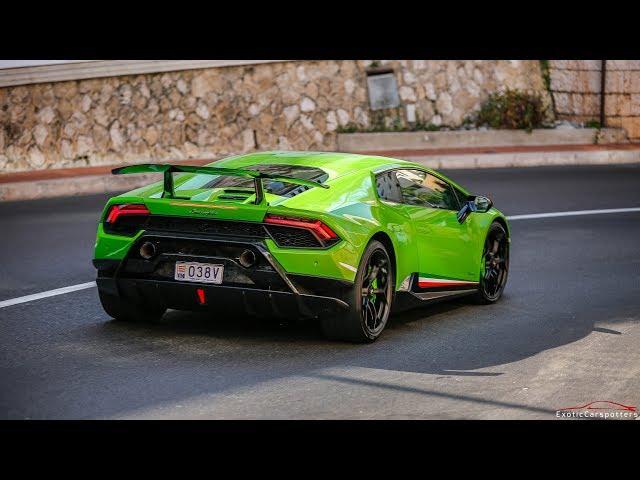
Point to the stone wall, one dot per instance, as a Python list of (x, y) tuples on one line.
[(576, 87), (214, 112)]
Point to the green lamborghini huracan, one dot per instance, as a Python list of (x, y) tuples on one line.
[(335, 236)]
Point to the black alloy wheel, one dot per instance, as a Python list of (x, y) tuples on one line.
[(369, 301), (495, 260)]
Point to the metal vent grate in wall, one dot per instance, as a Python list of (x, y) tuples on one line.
[(383, 91)]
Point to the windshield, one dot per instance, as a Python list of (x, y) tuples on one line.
[(273, 187)]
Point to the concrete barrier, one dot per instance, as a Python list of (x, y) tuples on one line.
[(79, 185), (368, 142), (526, 159)]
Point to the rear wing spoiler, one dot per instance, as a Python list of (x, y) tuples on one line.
[(168, 170)]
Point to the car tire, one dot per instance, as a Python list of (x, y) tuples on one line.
[(495, 265), (125, 311), (369, 309)]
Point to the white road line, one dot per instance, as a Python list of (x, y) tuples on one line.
[(82, 286), (573, 213), (50, 293)]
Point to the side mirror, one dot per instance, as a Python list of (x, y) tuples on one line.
[(478, 203), (483, 204)]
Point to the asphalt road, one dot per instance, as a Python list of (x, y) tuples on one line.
[(565, 333)]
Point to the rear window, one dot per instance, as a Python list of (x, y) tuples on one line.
[(388, 187), (282, 189)]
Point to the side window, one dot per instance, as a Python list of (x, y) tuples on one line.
[(462, 198), (422, 189), (388, 188)]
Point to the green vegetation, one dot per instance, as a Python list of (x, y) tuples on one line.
[(511, 109), (395, 126), (380, 123), (546, 74)]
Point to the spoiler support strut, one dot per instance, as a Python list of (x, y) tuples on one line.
[(259, 191), (167, 188)]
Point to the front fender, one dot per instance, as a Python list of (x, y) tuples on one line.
[(479, 224)]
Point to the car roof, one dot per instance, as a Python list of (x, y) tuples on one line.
[(335, 164)]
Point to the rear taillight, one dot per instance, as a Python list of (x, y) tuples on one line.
[(117, 211), (320, 231), (126, 219)]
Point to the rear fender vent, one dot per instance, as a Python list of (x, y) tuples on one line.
[(290, 237), (293, 237), (296, 232)]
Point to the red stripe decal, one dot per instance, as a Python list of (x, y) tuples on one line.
[(438, 282), (442, 284)]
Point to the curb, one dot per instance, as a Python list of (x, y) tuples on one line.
[(64, 182), (66, 187), (525, 159), (358, 142)]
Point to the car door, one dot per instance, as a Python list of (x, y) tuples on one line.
[(445, 247)]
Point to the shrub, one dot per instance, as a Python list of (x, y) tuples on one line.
[(511, 109), (379, 125)]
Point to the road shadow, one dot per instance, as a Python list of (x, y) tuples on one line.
[(233, 324), (228, 323)]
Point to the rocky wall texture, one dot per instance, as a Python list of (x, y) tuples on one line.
[(577, 84), (209, 113)]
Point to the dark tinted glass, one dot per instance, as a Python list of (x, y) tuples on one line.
[(460, 196), (282, 189), (388, 188), (420, 188)]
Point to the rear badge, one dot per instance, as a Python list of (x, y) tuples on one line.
[(196, 211)]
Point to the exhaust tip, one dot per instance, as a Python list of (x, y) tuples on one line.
[(247, 259), (147, 250)]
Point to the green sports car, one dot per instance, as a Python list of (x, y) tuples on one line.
[(335, 236)]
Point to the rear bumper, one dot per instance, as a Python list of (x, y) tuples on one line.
[(184, 296), (266, 289), (262, 289)]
